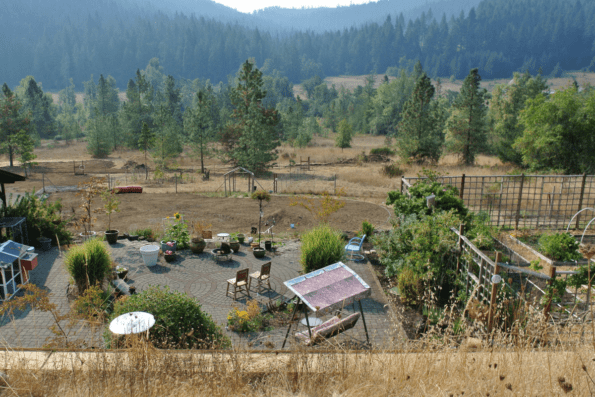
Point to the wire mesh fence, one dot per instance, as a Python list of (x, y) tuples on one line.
[(528, 201)]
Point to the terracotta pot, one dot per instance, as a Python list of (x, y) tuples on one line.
[(197, 247), (254, 245)]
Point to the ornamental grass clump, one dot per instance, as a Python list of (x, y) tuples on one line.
[(321, 246), (88, 264)]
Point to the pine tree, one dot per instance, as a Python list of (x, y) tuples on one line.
[(466, 126), (253, 131), (199, 125), (146, 141), (420, 130), (14, 125), (345, 133)]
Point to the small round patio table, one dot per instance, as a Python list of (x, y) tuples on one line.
[(223, 236)]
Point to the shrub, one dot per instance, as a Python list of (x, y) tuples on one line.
[(367, 229), (93, 304), (88, 264), (180, 322), (410, 286), (249, 320), (447, 198), (392, 170), (560, 247), (43, 218), (321, 246), (385, 151)]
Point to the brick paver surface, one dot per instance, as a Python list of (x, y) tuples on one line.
[(205, 279)]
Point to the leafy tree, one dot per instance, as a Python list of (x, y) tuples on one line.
[(466, 126), (40, 107), (14, 125), (344, 135), (146, 141), (559, 132), (420, 129), (387, 104), (254, 127), (505, 106)]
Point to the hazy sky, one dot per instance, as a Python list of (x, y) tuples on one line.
[(249, 6)]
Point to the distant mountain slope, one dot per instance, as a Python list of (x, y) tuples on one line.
[(332, 19)]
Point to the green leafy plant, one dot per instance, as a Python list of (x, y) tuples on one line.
[(367, 229), (392, 170), (110, 206), (385, 151), (180, 323), (148, 234), (535, 265), (178, 231), (560, 247), (93, 304), (410, 286), (446, 199), (42, 217), (321, 246), (249, 320), (88, 264)]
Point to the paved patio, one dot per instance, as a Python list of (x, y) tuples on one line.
[(199, 276)]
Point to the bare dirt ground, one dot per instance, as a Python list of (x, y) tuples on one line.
[(233, 214)]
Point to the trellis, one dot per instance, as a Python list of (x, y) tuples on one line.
[(230, 180)]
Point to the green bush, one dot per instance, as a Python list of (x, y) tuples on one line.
[(180, 322), (385, 151), (367, 229), (392, 170), (410, 286), (88, 264), (321, 246), (43, 218), (560, 247), (447, 198)]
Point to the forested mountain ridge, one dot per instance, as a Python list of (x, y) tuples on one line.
[(499, 37)]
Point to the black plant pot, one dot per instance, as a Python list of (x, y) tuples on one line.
[(111, 236)]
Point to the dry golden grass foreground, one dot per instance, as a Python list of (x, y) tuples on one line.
[(144, 371)]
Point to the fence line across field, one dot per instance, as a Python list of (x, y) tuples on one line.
[(530, 201)]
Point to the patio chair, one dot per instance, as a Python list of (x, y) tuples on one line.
[(264, 275), (239, 282), (354, 247)]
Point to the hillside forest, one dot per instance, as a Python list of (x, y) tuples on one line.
[(244, 121), (499, 37)]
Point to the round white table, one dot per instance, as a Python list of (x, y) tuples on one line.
[(223, 236), (132, 323)]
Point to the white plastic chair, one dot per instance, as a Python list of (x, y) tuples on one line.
[(354, 248)]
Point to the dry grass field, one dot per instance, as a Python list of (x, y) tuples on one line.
[(351, 82)]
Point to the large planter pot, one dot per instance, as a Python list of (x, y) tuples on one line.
[(111, 236), (150, 254), (235, 246), (46, 243), (198, 247), (165, 247), (259, 252), (241, 238), (87, 235)]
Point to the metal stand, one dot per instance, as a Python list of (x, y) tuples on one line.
[(291, 321)]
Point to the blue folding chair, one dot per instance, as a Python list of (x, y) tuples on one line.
[(354, 248)]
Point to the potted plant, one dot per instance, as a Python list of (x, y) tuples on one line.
[(177, 231), (260, 195), (121, 272), (234, 245), (197, 244), (168, 245), (258, 252), (241, 237), (169, 256), (202, 229), (110, 206)]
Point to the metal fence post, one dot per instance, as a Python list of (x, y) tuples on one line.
[(580, 200), (462, 187), (518, 207)]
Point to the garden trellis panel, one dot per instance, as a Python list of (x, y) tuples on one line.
[(526, 201)]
